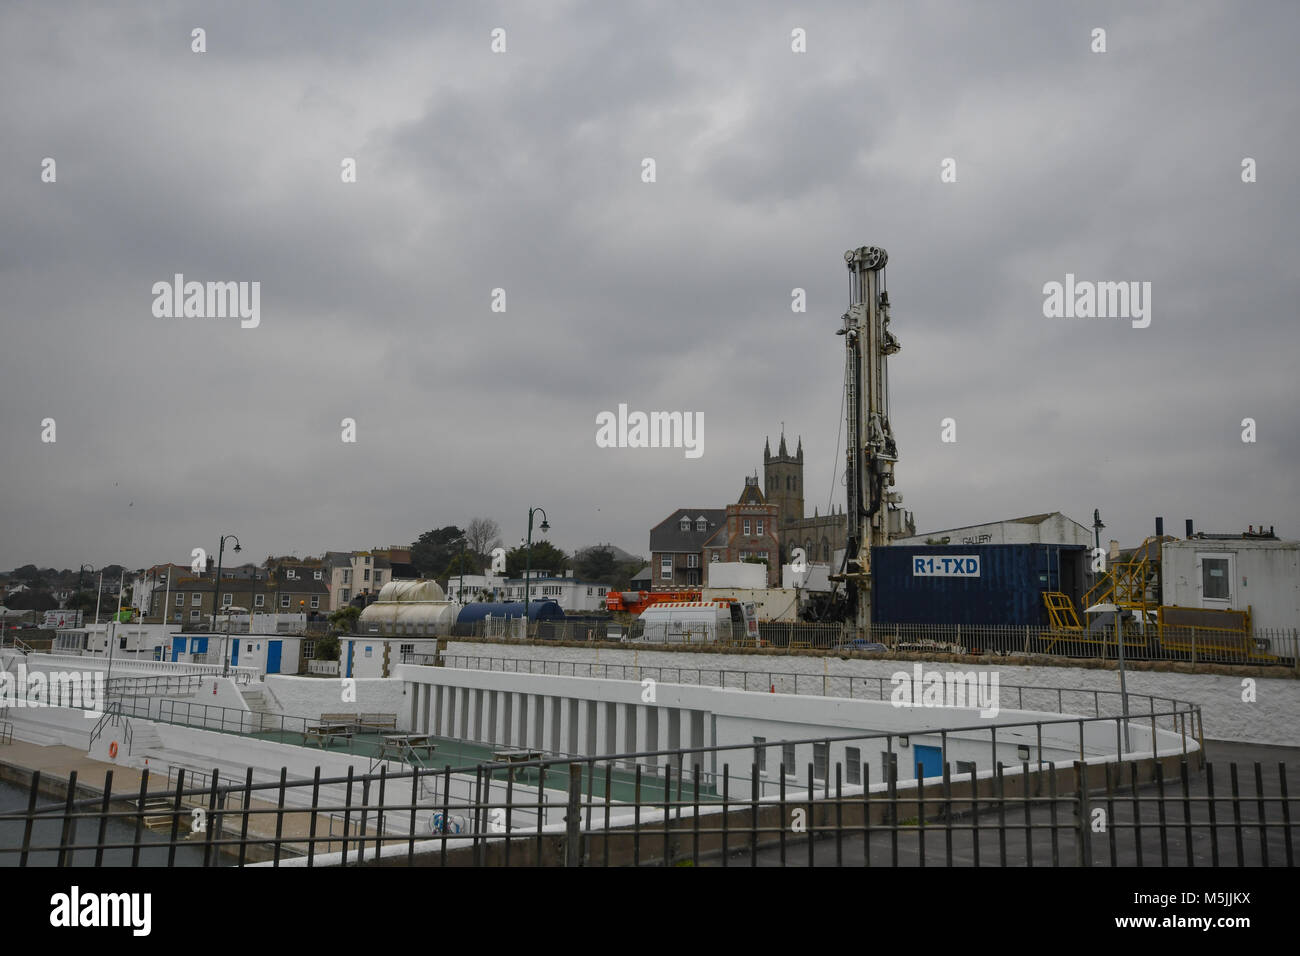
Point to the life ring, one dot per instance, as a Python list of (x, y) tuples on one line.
[(112, 749)]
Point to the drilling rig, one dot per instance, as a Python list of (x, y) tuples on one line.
[(872, 510)]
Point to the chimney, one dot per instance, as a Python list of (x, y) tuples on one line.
[(1113, 554), (1189, 527), (211, 564), (1160, 527)]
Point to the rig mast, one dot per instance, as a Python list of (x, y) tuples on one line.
[(872, 452)]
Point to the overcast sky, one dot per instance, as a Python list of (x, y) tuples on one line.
[(522, 170)]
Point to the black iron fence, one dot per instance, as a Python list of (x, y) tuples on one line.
[(741, 804)]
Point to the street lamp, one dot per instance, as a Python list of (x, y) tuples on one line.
[(528, 562), (1119, 639), (216, 596), (460, 587)]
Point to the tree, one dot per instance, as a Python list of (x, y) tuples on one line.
[(469, 563), (31, 601), (433, 550), (82, 601), (483, 534), (596, 565), (545, 557), (344, 620)]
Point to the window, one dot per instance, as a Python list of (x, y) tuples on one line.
[(315, 601), (819, 761), (227, 599), (194, 615), (308, 650), (284, 600), (259, 600), (692, 560), (684, 524), (715, 557), (180, 599), (853, 757), (1215, 583), (965, 766), (291, 574), (788, 758), (316, 575), (344, 595), (367, 574), (746, 524), (367, 561), (196, 599), (406, 649), (666, 568), (368, 648), (701, 524), (347, 576), (760, 754), (758, 526), (588, 592)]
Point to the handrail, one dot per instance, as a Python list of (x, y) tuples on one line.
[(827, 681)]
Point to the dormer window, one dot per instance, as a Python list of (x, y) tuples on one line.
[(316, 575), (701, 524), (685, 524), (290, 574)]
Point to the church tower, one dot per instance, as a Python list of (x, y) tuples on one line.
[(783, 481)]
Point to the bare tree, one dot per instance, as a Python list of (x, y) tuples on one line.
[(483, 534)]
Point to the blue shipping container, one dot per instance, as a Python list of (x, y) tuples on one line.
[(989, 584)]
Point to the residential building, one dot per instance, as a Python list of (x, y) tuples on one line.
[(677, 546)]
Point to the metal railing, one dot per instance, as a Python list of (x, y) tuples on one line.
[(6, 731), (1198, 645), (123, 667), (1038, 697), (667, 808)]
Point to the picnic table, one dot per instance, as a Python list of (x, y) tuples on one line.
[(398, 745), (324, 733), (517, 756)]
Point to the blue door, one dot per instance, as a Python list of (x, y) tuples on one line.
[(234, 651), (930, 759), (273, 657), (351, 645), (178, 648)]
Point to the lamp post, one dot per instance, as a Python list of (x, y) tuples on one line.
[(216, 596), (1119, 640), (460, 587), (528, 563)]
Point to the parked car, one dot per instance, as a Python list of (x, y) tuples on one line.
[(858, 644)]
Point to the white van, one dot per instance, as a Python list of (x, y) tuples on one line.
[(699, 622)]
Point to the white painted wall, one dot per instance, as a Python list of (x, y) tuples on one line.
[(592, 716), (1272, 718), (735, 574), (312, 696), (770, 604), (1266, 578)]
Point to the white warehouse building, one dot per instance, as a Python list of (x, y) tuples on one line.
[(1048, 528)]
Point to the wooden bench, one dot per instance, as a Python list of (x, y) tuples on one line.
[(377, 721)]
